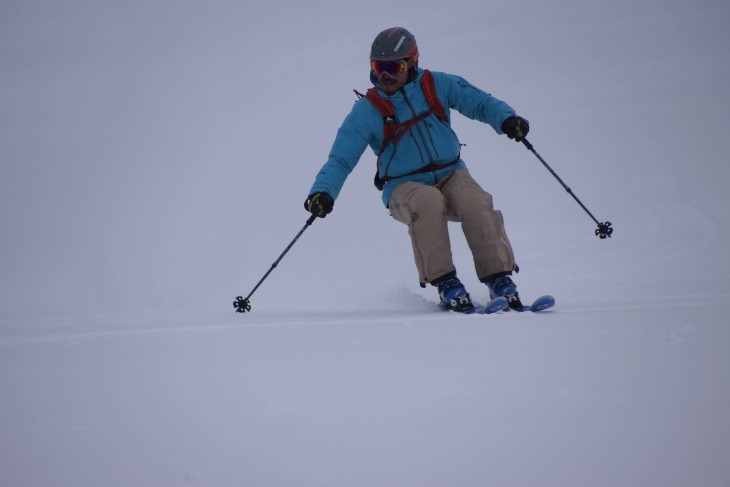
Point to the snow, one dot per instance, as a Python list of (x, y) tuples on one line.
[(154, 157)]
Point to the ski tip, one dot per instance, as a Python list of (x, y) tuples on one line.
[(541, 304), (497, 304)]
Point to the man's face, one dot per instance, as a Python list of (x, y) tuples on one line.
[(390, 85), (391, 74)]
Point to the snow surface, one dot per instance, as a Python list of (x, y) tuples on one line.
[(154, 156)]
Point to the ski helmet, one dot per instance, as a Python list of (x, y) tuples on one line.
[(395, 43)]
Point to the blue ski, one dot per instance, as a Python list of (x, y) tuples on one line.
[(540, 304), (497, 304), (501, 304)]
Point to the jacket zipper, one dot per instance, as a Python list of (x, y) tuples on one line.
[(417, 126)]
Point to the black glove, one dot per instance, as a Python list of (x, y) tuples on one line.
[(319, 204), (516, 128)]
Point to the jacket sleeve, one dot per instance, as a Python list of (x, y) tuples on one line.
[(473, 102), (351, 141)]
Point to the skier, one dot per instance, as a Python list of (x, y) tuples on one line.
[(405, 119)]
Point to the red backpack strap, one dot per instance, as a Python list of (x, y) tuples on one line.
[(391, 127), (429, 89), (385, 107)]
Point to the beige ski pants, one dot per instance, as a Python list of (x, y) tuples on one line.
[(458, 198)]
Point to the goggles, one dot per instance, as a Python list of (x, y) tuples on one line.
[(391, 68)]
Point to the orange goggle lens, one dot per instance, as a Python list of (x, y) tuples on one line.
[(391, 68)]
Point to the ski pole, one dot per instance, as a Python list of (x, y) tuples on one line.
[(604, 228), (242, 305)]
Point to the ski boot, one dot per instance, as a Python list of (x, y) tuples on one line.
[(454, 296), (504, 286)]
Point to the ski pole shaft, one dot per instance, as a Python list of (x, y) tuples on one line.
[(604, 228), (242, 304)]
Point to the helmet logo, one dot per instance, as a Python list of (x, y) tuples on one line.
[(400, 43)]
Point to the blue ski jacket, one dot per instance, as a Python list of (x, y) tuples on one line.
[(429, 142)]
